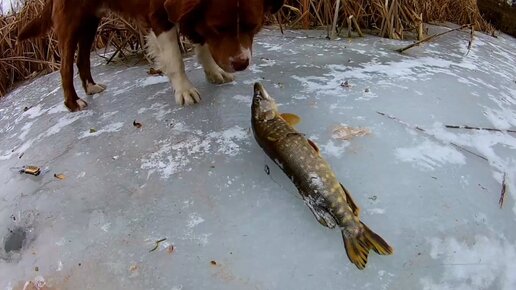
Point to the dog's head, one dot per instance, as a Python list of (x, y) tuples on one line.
[(227, 26)]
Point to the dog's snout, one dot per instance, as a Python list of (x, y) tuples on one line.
[(240, 64)]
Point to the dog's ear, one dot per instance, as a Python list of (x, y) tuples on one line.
[(273, 6), (177, 9)]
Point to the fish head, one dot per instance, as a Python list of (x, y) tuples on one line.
[(264, 107)]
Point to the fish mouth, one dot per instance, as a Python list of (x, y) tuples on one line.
[(260, 92)]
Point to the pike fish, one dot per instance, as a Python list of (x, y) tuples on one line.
[(299, 158)]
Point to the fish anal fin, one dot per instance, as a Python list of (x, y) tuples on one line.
[(313, 145), (351, 202), (321, 214), (291, 119)]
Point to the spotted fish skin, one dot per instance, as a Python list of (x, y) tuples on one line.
[(300, 160)]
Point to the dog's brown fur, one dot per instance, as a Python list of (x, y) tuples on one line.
[(227, 27)]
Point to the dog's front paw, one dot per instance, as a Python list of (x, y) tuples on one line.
[(218, 76), (187, 96), (76, 105), (92, 89)]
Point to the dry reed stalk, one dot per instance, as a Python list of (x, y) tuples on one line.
[(432, 37), (333, 31)]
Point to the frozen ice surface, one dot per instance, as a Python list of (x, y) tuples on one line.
[(196, 177)]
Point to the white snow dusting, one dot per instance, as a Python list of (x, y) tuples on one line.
[(480, 264), (174, 155), (334, 149), (429, 155), (111, 128)]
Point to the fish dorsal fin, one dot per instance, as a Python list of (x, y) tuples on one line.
[(351, 202), (313, 145), (291, 119)]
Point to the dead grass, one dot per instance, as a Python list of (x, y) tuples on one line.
[(387, 18)]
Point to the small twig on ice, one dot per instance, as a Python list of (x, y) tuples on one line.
[(157, 244), (470, 38), (478, 128), (502, 194), (432, 37), (431, 135), (277, 17)]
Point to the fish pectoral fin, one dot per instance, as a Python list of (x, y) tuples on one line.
[(321, 214), (351, 202), (272, 139), (291, 119), (313, 145)]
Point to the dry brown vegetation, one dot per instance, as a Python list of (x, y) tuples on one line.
[(387, 18)]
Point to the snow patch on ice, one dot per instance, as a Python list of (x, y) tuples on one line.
[(372, 211), (35, 112), (57, 108), (412, 69), (61, 123), (227, 140), (160, 110), (111, 128), (152, 80), (267, 62), (173, 156), (194, 220), (334, 149), (485, 143), (25, 130), (243, 99), (429, 155), (480, 264)]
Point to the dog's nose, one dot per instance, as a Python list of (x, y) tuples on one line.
[(240, 64)]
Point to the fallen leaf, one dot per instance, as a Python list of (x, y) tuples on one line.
[(93, 130), (153, 71), (59, 176), (343, 132), (137, 125), (133, 268)]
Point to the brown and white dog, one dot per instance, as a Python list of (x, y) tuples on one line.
[(223, 31)]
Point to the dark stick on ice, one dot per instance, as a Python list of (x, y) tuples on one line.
[(502, 194), (433, 136), (277, 17), (471, 34), (432, 37), (478, 128), (157, 244)]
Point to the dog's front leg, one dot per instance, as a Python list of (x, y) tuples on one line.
[(214, 74), (164, 48)]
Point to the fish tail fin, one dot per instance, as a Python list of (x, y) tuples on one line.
[(358, 247), (40, 25)]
